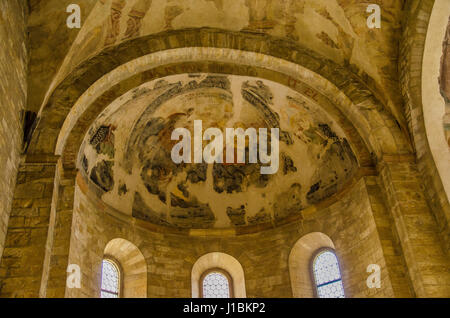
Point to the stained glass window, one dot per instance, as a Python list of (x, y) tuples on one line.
[(216, 285), (327, 275), (110, 280)]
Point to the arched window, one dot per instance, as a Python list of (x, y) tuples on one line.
[(216, 283), (327, 275), (110, 279), (131, 265), (225, 265)]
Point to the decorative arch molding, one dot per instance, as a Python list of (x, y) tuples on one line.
[(133, 267), (300, 263), (434, 106), (221, 261), (359, 103)]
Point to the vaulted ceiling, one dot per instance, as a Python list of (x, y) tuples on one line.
[(109, 94), (336, 29)]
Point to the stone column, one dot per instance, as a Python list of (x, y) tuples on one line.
[(427, 262), (392, 250), (54, 273), (23, 256)]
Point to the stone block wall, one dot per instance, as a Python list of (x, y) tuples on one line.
[(13, 88), (22, 262), (350, 223)]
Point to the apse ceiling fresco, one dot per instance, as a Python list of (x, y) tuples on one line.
[(127, 153)]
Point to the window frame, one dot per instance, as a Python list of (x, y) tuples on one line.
[(311, 268), (118, 267), (220, 271)]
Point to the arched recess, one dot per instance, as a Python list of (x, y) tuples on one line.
[(217, 260), (350, 94), (434, 106), (133, 266), (300, 258)]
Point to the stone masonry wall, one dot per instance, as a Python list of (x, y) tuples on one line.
[(13, 88), (350, 223), (21, 267)]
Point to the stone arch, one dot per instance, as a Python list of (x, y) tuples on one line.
[(221, 261), (413, 69), (300, 262), (358, 102), (434, 106), (133, 267)]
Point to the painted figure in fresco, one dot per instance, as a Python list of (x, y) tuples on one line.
[(114, 22), (135, 17)]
